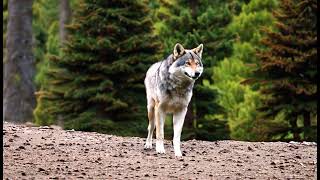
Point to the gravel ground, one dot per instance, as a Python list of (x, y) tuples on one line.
[(51, 153)]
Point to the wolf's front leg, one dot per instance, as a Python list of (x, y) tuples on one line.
[(160, 118), (151, 126), (178, 119)]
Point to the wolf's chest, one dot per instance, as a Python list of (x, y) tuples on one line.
[(173, 104)]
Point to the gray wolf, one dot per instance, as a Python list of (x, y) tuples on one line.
[(169, 85)]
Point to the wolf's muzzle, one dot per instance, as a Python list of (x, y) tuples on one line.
[(197, 74)]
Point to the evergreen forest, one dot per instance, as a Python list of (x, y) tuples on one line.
[(81, 64)]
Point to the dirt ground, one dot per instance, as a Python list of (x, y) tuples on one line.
[(52, 153)]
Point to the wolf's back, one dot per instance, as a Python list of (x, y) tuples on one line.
[(152, 72)]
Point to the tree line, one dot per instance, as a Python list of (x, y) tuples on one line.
[(81, 64)]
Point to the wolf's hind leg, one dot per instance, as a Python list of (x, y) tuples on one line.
[(151, 125), (160, 118)]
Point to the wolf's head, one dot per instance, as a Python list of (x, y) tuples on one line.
[(187, 63)]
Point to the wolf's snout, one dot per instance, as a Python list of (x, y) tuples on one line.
[(196, 74)]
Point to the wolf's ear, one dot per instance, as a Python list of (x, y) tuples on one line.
[(198, 50), (178, 51)]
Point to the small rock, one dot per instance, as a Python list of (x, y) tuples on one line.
[(302, 165), (293, 142), (293, 146), (224, 151), (45, 127), (41, 169), (309, 143)]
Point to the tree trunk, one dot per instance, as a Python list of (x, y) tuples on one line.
[(294, 129), (306, 125), (18, 96), (65, 16)]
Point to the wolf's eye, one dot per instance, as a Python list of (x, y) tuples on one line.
[(188, 63)]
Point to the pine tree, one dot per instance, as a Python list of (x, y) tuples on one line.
[(48, 43), (99, 75), (239, 101), (288, 69), (42, 117), (191, 23)]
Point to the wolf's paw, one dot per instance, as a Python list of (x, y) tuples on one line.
[(178, 153), (160, 148), (148, 145), (176, 147)]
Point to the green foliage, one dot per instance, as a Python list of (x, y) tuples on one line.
[(288, 69), (41, 113), (99, 75), (44, 14), (45, 27), (240, 101), (95, 81)]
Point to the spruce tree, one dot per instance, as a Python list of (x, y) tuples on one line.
[(240, 101), (288, 69), (192, 23), (99, 75)]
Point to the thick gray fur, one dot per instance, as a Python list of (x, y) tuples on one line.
[(169, 85)]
